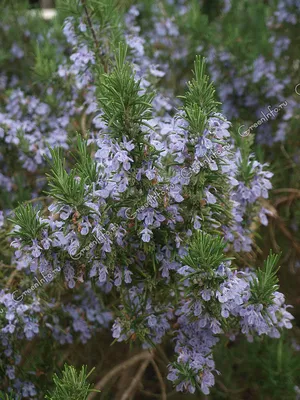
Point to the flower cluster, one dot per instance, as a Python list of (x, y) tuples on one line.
[(217, 300), (150, 247)]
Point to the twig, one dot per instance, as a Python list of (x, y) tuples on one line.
[(288, 234), (273, 238), (284, 229), (64, 357), (35, 199), (123, 379), (291, 257), (145, 355), (2, 265), (257, 248), (157, 396), (83, 125), (149, 394), (226, 390), (286, 199), (90, 24), (11, 277), (162, 353), (284, 152), (135, 380), (289, 190), (27, 351), (161, 381)]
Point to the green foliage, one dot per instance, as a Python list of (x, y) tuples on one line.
[(199, 101), (212, 8), (72, 187), (246, 41), (206, 252), (65, 187), (69, 8), (266, 281), (197, 22), (134, 319), (186, 373), (45, 61), (199, 106), (124, 108), (265, 369), (245, 163), (26, 217), (10, 396), (281, 369), (107, 12), (72, 385), (107, 16), (85, 164)]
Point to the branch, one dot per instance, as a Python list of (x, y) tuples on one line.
[(157, 396), (90, 24), (281, 224), (83, 2), (2, 265), (136, 380), (161, 381), (289, 235), (11, 277), (289, 190), (286, 199), (36, 199), (145, 355)]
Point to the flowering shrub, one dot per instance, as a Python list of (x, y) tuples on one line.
[(136, 206)]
